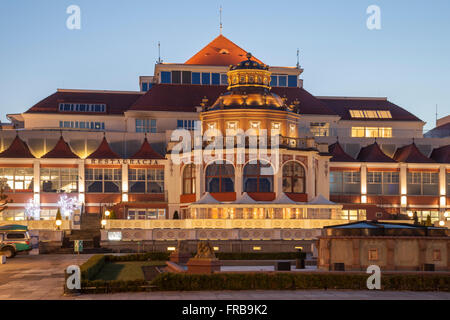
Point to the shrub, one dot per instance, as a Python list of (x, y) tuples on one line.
[(258, 255), (286, 281)]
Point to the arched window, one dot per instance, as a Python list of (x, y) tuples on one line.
[(258, 177), (189, 179), (220, 177), (293, 178)]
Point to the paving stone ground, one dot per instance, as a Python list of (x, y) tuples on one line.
[(42, 277)]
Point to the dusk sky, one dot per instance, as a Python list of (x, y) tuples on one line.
[(408, 60)]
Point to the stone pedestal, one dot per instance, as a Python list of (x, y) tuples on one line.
[(179, 257), (205, 266)]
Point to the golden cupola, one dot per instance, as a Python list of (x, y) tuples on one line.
[(248, 87)]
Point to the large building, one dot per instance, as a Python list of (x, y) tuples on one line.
[(339, 158)]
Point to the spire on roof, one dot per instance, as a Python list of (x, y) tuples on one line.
[(146, 152), (61, 150), (103, 151), (17, 149), (412, 154), (338, 153), (373, 153)]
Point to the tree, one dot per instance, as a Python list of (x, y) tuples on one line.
[(175, 215), (112, 214), (4, 197), (415, 218), (428, 223), (58, 215)]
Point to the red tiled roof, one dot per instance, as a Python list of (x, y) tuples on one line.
[(61, 150), (116, 102), (339, 155), (220, 52), (146, 152), (184, 98), (104, 151), (410, 153), (17, 149), (442, 154), (373, 153), (342, 106)]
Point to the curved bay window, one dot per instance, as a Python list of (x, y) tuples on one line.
[(147, 180), (17, 179), (293, 178), (100, 180), (219, 177), (189, 179), (258, 177), (59, 180)]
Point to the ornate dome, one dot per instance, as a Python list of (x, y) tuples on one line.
[(249, 73), (249, 87)]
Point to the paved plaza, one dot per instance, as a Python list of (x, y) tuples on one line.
[(42, 277)]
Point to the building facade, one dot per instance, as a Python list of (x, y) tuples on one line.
[(336, 158)]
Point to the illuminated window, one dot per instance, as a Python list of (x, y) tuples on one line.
[(320, 129), (102, 180), (212, 126), (423, 183), (146, 180), (276, 126), (373, 254), (371, 132), (146, 125), (258, 177), (255, 125), (379, 183), (371, 114), (345, 182), (82, 107), (437, 255), (220, 177), (293, 177), (232, 125), (17, 179), (59, 179), (189, 179), (146, 214)]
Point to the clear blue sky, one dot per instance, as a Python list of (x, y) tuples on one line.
[(408, 60)]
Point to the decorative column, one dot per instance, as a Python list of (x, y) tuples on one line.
[(36, 182), (363, 183), (238, 187), (199, 181), (81, 182), (403, 187), (125, 182), (442, 190), (278, 181)]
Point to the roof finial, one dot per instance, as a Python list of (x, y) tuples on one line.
[(145, 135), (298, 58), (221, 26)]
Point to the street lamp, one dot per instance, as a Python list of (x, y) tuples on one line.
[(103, 223), (58, 223), (107, 213)]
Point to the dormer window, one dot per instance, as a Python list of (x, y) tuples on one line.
[(82, 107)]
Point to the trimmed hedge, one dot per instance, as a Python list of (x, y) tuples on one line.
[(114, 286), (260, 255), (293, 281), (157, 256)]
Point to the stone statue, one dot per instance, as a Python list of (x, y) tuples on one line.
[(182, 247), (205, 251)]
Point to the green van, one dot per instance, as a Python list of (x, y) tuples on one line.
[(14, 239)]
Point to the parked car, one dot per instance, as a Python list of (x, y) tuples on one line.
[(14, 239)]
